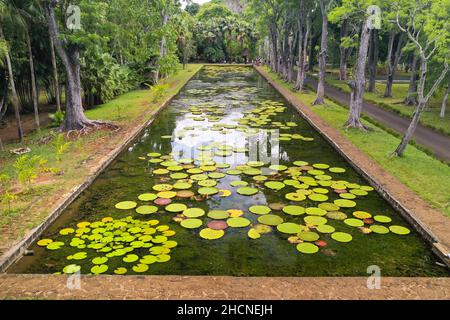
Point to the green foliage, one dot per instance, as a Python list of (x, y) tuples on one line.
[(214, 54), (60, 145), (27, 169), (158, 91), (6, 195), (57, 118)]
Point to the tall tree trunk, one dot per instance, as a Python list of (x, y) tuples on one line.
[(343, 53), (411, 98), (274, 40), (393, 59), (33, 81), (444, 102), (303, 47), (356, 101), (322, 56), (162, 45), (55, 74), (14, 98), (373, 60), (75, 118)]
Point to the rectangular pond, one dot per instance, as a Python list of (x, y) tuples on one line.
[(197, 194)]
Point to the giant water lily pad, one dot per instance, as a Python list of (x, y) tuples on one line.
[(294, 210), (191, 223), (295, 196), (99, 269), (253, 234), (270, 219), (362, 215), (247, 191), (308, 236), (238, 222), (353, 222), (217, 225), (315, 220), (126, 205), (211, 234), (194, 212), (399, 230), (274, 185), (315, 211), (379, 229), (341, 236), (218, 214), (344, 203), (259, 210), (147, 197), (382, 219), (289, 228), (307, 248), (208, 191), (71, 268), (325, 228), (146, 209), (336, 215), (175, 207)]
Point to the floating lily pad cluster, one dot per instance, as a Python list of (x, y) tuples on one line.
[(133, 245)]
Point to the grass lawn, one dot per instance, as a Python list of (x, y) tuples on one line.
[(430, 117), (417, 170), (33, 204)]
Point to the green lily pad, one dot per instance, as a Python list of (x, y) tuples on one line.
[(294, 210), (270, 219), (211, 234), (315, 220), (274, 185), (120, 270), (336, 215), (247, 191), (344, 203), (99, 269), (208, 191), (71, 268), (325, 228), (293, 196), (337, 170), (191, 223), (253, 234), (313, 211), (382, 219), (362, 215), (399, 230), (308, 236), (193, 212), (147, 197), (130, 258), (379, 229), (146, 209), (218, 214), (341, 237), (353, 222), (289, 228), (126, 205), (139, 268), (175, 207), (259, 210), (99, 260), (307, 248), (238, 222), (239, 183), (318, 197)]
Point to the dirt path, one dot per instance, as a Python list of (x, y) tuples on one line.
[(438, 143)]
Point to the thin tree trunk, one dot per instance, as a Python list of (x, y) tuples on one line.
[(356, 101), (33, 81), (422, 103), (322, 56), (444, 102), (14, 98), (343, 53), (411, 98), (55, 75), (393, 59), (373, 60)]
